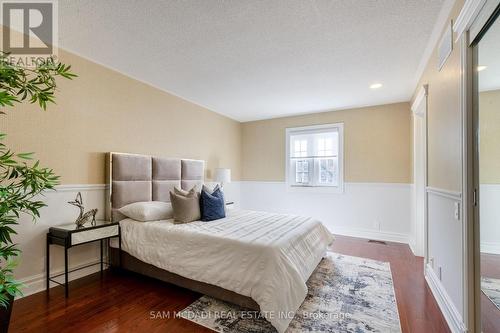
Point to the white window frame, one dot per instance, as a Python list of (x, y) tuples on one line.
[(291, 185)]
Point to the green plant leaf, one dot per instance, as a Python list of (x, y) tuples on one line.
[(25, 156), (22, 180)]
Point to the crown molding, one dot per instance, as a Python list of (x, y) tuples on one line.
[(467, 16)]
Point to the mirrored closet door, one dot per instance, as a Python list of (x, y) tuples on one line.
[(487, 126)]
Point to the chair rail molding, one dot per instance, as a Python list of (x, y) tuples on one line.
[(81, 187), (445, 193)]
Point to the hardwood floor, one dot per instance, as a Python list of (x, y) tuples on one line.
[(418, 310), (490, 314), (126, 302)]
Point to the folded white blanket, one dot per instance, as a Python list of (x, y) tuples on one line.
[(265, 256)]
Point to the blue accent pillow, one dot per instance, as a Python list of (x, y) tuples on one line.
[(212, 205)]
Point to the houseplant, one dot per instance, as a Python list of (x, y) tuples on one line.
[(22, 179)]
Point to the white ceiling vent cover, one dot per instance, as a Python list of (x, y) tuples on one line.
[(445, 46)]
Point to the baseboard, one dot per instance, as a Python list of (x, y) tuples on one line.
[(413, 248), (372, 234), (448, 309), (490, 247), (411, 244), (36, 283)]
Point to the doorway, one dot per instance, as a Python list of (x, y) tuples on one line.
[(418, 229)]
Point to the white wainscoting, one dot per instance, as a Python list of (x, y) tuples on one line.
[(489, 195), (370, 210), (445, 271)]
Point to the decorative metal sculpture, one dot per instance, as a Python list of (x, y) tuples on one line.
[(83, 218)]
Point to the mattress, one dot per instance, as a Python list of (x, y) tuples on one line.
[(265, 256)]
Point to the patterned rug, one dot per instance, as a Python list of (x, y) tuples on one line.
[(491, 288), (346, 294)]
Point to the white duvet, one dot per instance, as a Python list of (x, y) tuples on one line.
[(265, 256)]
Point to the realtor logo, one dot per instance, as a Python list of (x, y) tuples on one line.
[(30, 28)]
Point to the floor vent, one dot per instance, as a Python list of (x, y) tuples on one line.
[(377, 241)]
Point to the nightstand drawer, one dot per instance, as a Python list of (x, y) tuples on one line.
[(94, 234)]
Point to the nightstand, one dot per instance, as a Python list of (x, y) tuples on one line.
[(69, 235), (229, 204)]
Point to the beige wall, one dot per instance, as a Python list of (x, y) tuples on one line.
[(103, 110), (444, 118), (377, 144), (489, 146)]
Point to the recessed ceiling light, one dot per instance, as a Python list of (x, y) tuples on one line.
[(376, 86), (481, 68)]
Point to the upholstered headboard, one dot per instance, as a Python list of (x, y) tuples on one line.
[(134, 178)]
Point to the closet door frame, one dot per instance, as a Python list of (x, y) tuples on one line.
[(473, 22)]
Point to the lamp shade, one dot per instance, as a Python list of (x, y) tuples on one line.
[(222, 175)]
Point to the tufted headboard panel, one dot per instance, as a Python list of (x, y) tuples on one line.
[(134, 178)]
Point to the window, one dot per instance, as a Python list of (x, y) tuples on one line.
[(314, 156)]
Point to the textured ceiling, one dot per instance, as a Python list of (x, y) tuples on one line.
[(258, 59), (489, 55)]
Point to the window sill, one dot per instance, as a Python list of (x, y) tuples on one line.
[(316, 189)]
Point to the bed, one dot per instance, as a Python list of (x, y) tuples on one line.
[(257, 260)]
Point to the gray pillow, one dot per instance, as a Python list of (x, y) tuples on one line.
[(184, 193), (186, 205)]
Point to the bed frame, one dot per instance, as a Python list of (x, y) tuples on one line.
[(134, 178)]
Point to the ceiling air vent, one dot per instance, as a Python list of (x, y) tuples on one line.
[(445, 46)]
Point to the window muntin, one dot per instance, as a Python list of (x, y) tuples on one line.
[(327, 174), (302, 172), (300, 148)]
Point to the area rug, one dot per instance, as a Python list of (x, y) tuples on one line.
[(346, 294), (491, 288)]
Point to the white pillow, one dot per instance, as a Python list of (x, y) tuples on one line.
[(148, 211)]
